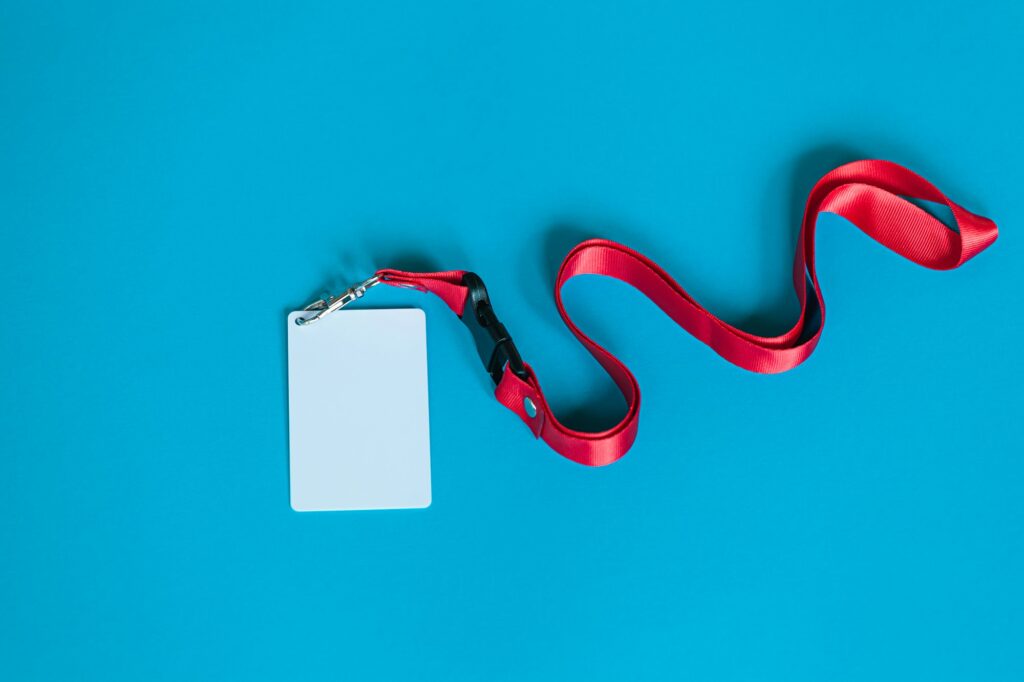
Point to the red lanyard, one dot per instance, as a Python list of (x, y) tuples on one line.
[(870, 194)]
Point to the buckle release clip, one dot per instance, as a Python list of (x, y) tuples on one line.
[(493, 342)]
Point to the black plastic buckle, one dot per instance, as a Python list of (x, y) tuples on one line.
[(493, 342)]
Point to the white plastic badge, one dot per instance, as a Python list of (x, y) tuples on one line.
[(357, 401)]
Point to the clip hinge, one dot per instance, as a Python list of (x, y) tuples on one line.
[(325, 306)]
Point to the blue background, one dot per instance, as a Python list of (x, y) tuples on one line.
[(176, 176)]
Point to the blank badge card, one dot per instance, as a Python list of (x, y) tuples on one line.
[(359, 432)]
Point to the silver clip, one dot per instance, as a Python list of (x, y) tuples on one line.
[(324, 307)]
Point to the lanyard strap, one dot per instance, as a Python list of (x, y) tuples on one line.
[(870, 194)]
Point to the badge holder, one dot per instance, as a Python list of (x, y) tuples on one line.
[(359, 427)]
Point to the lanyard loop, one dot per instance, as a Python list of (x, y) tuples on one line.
[(873, 195)]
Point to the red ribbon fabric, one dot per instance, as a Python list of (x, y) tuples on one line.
[(873, 195)]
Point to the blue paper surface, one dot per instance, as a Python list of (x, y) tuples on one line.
[(175, 177)]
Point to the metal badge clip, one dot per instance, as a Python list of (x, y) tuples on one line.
[(325, 306)]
